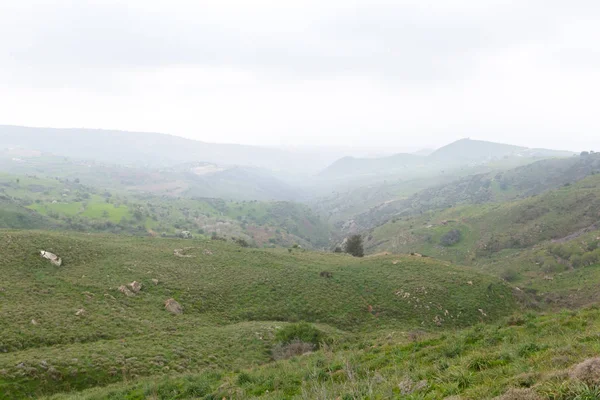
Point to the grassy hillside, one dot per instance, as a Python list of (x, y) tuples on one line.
[(16, 217), (485, 230), (546, 357), (70, 328), (493, 187)]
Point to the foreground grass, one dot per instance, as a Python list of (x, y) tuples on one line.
[(532, 354)]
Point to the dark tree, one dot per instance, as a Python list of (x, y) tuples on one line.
[(451, 238), (354, 246)]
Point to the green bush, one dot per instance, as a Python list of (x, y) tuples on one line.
[(302, 331)]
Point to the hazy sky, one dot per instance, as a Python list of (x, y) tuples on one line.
[(403, 74)]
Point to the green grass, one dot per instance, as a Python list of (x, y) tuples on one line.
[(235, 299), (526, 352)]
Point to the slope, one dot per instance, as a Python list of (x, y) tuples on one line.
[(537, 357), (69, 327), (493, 187), (483, 230)]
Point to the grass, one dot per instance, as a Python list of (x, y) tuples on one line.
[(533, 353), (235, 300)]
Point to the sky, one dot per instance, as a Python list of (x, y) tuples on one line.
[(353, 73)]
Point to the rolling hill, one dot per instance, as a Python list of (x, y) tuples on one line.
[(493, 187), (74, 327), (487, 229)]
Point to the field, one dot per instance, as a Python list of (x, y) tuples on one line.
[(70, 328)]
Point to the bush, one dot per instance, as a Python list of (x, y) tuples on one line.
[(451, 238), (242, 242), (354, 246), (303, 332), (295, 348), (509, 275)]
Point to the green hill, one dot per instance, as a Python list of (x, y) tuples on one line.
[(69, 327), (493, 187), (487, 229)]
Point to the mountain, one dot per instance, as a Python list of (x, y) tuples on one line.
[(154, 149), (462, 153), (355, 167), (477, 151)]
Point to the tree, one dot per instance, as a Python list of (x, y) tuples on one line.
[(354, 246)]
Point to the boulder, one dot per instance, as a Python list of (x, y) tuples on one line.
[(123, 289), (135, 286), (54, 259), (172, 306)]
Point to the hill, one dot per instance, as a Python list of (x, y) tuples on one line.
[(70, 327), (486, 229), (464, 152), (187, 179), (151, 149), (357, 167), (492, 187), (477, 151)]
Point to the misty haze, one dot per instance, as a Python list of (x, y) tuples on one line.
[(299, 200)]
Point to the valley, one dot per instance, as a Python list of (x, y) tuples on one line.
[(203, 278)]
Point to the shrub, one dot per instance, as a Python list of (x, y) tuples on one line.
[(354, 246), (587, 372), (510, 275), (451, 238), (302, 331), (242, 242), (296, 347)]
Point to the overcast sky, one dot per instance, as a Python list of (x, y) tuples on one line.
[(397, 74)]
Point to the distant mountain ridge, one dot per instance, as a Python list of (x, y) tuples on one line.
[(153, 149), (461, 152)]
